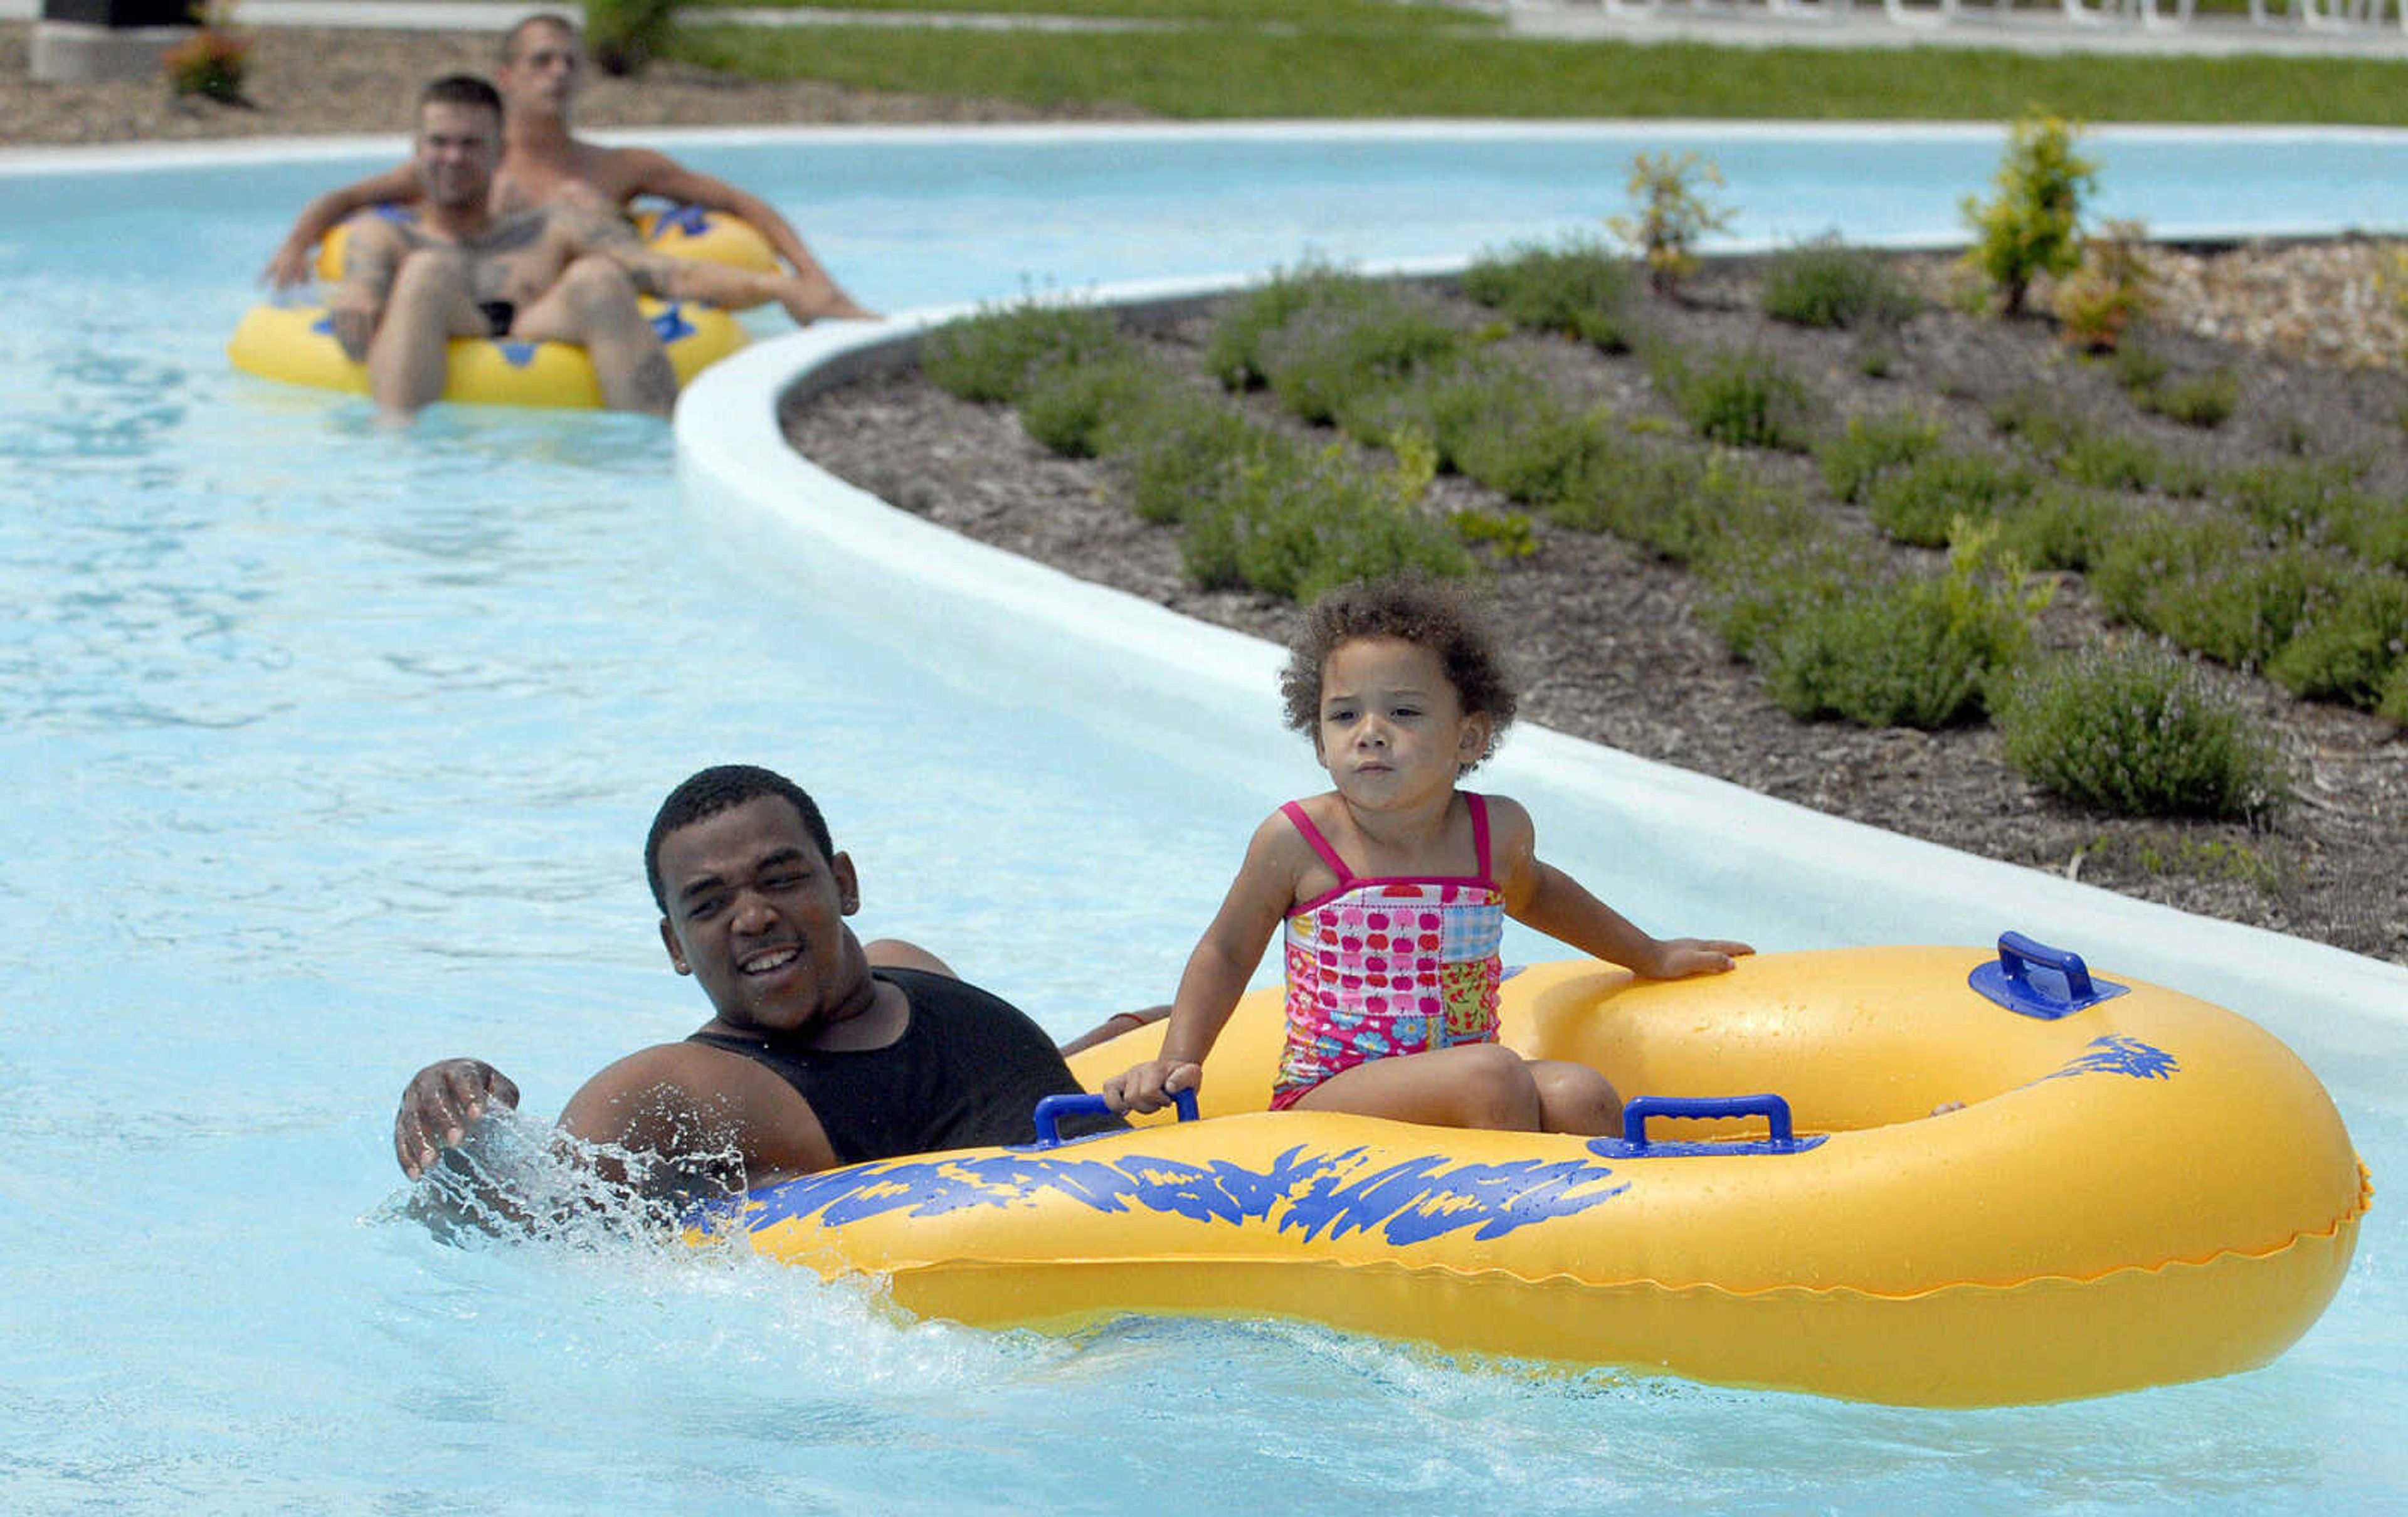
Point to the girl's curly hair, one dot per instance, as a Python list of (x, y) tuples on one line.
[(1431, 613)]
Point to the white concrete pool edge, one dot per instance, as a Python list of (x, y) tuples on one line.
[(834, 540)]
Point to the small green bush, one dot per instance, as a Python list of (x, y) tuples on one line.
[(2295, 499), (2061, 527), (1294, 526), (2135, 730), (1827, 284), (2349, 649), (988, 357), (1920, 652), (1688, 508), (2040, 419), (2110, 290), (2204, 401), (2114, 461), (1232, 352), (1762, 585), (623, 36), (1492, 419), (1871, 443), (1742, 397), (1673, 215), (2393, 707), (1580, 288), (1330, 363), (1074, 407), (2034, 225), (1920, 503), (1180, 462), (2376, 531), (2214, 586)]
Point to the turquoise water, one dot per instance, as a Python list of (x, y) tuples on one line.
[(330, 751)]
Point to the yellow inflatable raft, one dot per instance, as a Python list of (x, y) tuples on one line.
[(296, 344), (2140, 1188)]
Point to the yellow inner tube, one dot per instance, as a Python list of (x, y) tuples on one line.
[(2147, 1190), (295, 344)]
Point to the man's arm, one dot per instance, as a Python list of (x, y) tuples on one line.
[(657, 174), (289, 266), (656, 274), (371, 258)]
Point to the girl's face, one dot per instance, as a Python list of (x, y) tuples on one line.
[(1393, 732)]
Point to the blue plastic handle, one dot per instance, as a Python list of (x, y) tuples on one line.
[(2018, 954), (1050, 1110), (1772, 1109), (2008, 980)]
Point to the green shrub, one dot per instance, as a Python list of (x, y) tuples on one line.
[(1332, 362), (2040, 419), (1871, 443), (1673, 215), (1690, 509), (2295, 499), (2034, 224), (1919, 652), (2113, 461), (1920, 503), (2136, 730), (1761, 585), (2203, 401), (1741, 397), (2350, 650), (1231, 353), (1492, 419), (1580, 288), (1073, 407), (623, 36), (2376, 531), (2214, 586), (1294, 526), (2393, 707), (989, 356), (2061, 527), (1827, 284), (1180, 462)]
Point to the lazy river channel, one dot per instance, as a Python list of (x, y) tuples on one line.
[(329, 751)]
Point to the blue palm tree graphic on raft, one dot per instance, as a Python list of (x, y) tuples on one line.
[(670, 322), (1407, 1202)]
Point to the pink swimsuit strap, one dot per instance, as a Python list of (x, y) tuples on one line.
[(1347, 879)]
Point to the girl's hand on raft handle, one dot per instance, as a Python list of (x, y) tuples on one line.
[(1150, 1086), (438, 1104), (1678, 958)]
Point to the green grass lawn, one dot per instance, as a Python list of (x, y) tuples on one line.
[(1367, 58)]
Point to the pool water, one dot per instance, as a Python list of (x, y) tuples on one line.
[(330, 749)]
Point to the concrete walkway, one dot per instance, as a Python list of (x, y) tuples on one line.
[(1799, 24)]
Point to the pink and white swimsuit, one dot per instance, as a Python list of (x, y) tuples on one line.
[(1383, 966)]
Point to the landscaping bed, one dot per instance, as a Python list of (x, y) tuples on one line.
[(1621, 644)]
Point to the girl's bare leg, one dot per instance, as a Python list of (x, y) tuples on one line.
[(1472, 1085)]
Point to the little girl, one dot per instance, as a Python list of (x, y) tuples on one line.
[(1394, 886)]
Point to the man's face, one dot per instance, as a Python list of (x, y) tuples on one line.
[(458, 149), (541, 78), (756, 915)]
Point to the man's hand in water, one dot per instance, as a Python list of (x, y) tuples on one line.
[(438, 1105)]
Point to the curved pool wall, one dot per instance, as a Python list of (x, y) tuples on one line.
[(328, 749)]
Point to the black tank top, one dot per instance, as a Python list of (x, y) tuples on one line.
[(968, 1072)]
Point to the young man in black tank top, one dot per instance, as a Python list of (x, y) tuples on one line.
[(822, 1050)]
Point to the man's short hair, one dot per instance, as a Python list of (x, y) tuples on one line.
[(547, 19), (722, 788), (460, 90)]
